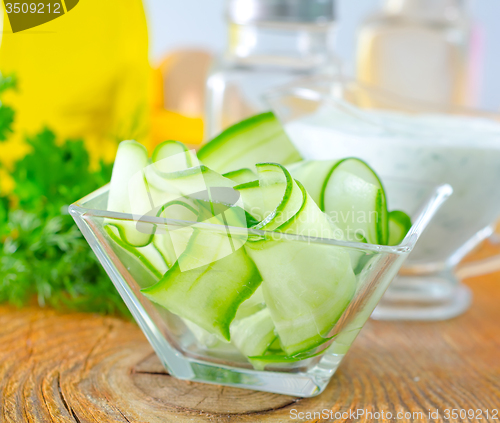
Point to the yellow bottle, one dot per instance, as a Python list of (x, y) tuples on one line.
[(85, 75)]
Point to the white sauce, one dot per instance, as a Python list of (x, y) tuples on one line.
[(461, 151)]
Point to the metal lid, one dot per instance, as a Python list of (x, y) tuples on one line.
[(287, 11)]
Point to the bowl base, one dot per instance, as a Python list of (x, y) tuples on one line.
[(303, 384), (424, 298)]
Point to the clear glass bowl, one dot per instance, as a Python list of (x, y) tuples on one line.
[(180, 349), (334, 118)]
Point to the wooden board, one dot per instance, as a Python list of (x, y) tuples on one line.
[(87, 368)]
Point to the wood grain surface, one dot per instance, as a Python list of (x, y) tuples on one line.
[(87, 368)]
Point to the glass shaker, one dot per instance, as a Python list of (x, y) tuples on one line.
[(270, 43)]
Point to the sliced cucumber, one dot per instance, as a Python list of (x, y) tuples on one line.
[(306, 286), (362, 214), (274, 199), (187, 182), (399, 225), (254, 334), (175, 168), (139, 268), (275, 347), (253, 305), (260, 362), (171, 241), (353, 197), (216, 241), (310, 221), (258, 139), (205, 338), (212, 272), (131, 158), (353, 205), (168, 158), (207, 295), (312, 174), (184, 158), (128, 192), (241, 176), (149, 256)]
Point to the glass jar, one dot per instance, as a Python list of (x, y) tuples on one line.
[(419, 49), (271, 42)]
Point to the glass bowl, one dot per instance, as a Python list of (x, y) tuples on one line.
[(183, 349), (336, 118)]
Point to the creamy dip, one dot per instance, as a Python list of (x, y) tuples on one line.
[(459, 150)]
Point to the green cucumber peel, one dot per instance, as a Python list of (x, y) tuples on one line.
[(315, 214), (241, 176), (252, 305), (275, 347), (399, 225), (261, 168), (292, 220), (246, 185), (163, 241), (177, 203), (251, 221), (272, 174), (260, 138)]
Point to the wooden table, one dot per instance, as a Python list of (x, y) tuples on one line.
[(88, 368)]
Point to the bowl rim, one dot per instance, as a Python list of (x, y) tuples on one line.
[(438, 195)]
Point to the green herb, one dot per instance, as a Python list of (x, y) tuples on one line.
[(6, 112), (42, 253)]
